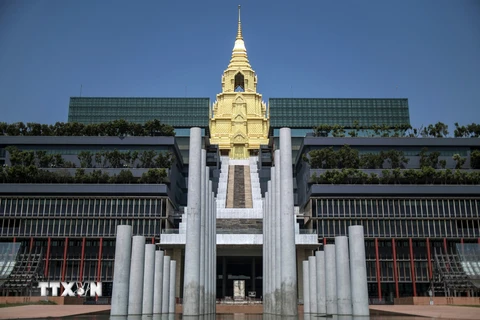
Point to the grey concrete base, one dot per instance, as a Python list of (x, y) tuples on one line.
[(330, 279), (344, 298), (358, 268), (158, 289), (148, 279), (135, 292), (123, 249)]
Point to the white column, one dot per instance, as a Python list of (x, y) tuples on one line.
[(264, 254), (214, 209), (321, 307), (268, 272), (148, 279), (358, 269), (306, 287), (212, 259), (135, 292), (191, 288), (273, 268), (277, 294), (166, 284), (203, 204), (330, 279), (344, 298), (312, 273), (208, 232), (121, 271), (171, 299), (289, 267), (275, 246), (158, 289), (208, 245)]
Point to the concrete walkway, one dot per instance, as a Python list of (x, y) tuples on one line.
[(40, 311), (437, 312)]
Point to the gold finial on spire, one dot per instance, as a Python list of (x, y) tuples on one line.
[(239, 33)]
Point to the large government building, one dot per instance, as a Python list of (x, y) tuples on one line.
[(64, 188)]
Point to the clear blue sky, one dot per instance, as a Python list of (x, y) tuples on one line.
[(425, 50)]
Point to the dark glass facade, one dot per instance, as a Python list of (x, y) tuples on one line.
[(177, 112), (311, 112)]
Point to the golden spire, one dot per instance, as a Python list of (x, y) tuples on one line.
[(239, 53), (239, 33)]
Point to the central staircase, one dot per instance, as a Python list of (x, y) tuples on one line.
[(239, 190), (239, 194)]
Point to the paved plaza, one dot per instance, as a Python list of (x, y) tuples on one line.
[(411, 312), (39, 311)]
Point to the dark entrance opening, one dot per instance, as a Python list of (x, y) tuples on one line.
[(231, 268)]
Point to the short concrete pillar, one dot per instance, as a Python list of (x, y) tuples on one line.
[(148, 279), (191, 288), (306, 287), (158, 288), (344, 294), (358, 269), (135, 291), (330, 279), (321, 306), (121, 271), (289, 263), (276, 225), (171, 291), (166, 285), (312, 273)]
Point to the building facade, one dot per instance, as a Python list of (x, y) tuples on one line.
[(427, 203), (62, 197)]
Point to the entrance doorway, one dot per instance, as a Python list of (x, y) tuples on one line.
[(246, 268)]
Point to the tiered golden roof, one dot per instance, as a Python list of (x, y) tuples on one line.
[(239, 123)]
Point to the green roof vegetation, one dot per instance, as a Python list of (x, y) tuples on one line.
[(39, 167), (116, 128), (346, 166)]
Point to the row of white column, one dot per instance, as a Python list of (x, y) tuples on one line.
[(199, 292), (333, 283), (143, 278), (280, 273)]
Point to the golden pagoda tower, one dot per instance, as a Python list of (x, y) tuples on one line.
[(238, 121)]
